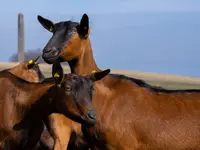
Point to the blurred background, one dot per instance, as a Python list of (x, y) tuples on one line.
[(136, 35)]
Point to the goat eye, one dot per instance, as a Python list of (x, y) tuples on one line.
[(68, 88)]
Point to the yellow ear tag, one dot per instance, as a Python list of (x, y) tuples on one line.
[(51, 29), (93, 71), (30, 62), (56, 75)]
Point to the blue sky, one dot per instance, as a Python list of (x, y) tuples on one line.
[(103, 6), (164, 34)]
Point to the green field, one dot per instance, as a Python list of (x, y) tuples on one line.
[(163, 80)]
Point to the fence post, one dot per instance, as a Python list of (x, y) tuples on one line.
[(20, 37)]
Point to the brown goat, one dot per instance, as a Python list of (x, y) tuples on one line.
[(23, 105), (131, 114), (29, 71)]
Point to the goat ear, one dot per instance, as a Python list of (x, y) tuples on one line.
[(47, 24), (32, 63), (57, 72), (36, 59), (83, 29), (99, 75)]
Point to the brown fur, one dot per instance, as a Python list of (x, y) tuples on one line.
[(32, 74), (131, 116), (66, 126), (34, 101), (15, 101)]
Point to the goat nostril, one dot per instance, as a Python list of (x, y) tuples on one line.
[(47, 50), (92, 115), (55, 53)]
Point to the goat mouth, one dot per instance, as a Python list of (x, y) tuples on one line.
[(88, 121), (50, 59)]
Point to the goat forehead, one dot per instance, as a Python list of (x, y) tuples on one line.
[(79, 81), (68, 25)]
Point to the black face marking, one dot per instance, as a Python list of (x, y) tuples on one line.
[(81, 87), (78, 91), (81, 93), (62, 34)]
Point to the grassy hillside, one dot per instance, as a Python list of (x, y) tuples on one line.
[(167, 81)]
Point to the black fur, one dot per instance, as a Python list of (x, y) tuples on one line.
[(143, 84)]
